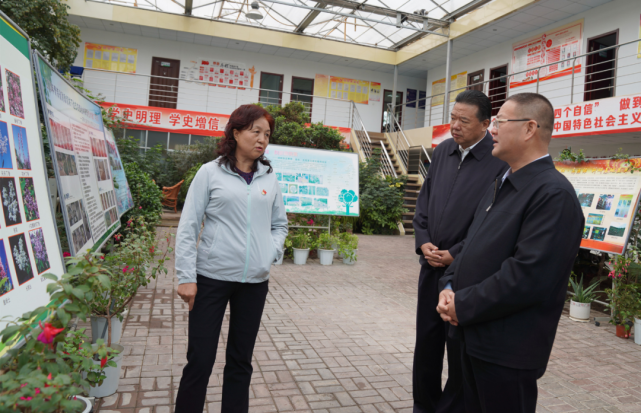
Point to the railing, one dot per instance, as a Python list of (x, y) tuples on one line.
[(140, 89), (421, 168), (401, 142), (361, 132), (387, 168), (623, 77)]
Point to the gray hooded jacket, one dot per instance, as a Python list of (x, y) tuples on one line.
[(245, 226)]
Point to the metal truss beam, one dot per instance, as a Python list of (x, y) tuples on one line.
[(310, 18)]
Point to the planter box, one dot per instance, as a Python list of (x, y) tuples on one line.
[(580, 311), (300, 256), (326, 256)]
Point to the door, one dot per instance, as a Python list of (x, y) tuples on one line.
[(497, 90), (476, 77), (271, 86), (387, 118), (302, 91), (600, 68), (163, 86)]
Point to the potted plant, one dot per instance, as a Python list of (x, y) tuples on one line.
[(301, 243), (326, 244), (623, 297), (348, 248), (582, 300), (286, 247)]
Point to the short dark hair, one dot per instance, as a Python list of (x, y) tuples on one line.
[(537, 107), (478, 99), (241, 119)]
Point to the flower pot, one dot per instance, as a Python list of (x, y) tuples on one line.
[(326, 256), (110, 384), (349, 261), (637, 331), (335, 248), (100, 328), (300, 256), (88, 405), (580, 311), (621, 332), (280, 261)]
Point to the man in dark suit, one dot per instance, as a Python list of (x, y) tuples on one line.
[(506, 289), (461, 170)]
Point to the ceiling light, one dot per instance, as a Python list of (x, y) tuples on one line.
[(254, 13)]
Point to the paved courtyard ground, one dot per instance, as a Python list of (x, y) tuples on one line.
[(340, 339)]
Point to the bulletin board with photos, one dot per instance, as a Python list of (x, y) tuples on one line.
[(609, 197), (29, 244), (80, 159)]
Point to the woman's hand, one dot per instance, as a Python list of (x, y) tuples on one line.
[(187, 292)]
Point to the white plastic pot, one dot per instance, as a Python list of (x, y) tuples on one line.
[(87, 402), (637, 331), (98, 325), (280, 261), (349, 261), (110, 384), (335, 248), (300, 256), (580, 311), (326, 256)]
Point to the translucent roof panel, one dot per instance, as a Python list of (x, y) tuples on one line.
[(335, 23)]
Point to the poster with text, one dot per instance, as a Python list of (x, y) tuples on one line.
[(410, 98), (374, 92), (349, 89), (80, 160), (122, 200), (224, 74), (549, 47), (609, 196), (118, 59), (29, 244), (321, 85), (315, 181), (457, 82)]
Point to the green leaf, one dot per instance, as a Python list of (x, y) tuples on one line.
[(63, 316)]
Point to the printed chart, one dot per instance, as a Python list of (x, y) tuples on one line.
[(316, 181)]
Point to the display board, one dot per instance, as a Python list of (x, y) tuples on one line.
[(609, 196), (321, 85), (315, 181), (119, 59), (374, 92), (349, 89), (410, 98), (124, 201), (549, 47), (457, 81), (29, 244), (80, 160)]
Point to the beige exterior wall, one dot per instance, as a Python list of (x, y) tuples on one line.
[(419, 136)]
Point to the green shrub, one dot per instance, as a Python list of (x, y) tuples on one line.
[(146, 195), (381, 199), (189, 177)]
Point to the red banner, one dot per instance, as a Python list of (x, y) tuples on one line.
[(169, 120)]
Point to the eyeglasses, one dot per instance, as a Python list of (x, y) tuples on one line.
[(497, 122)]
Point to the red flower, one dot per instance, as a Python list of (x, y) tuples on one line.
[(139, 207), (103, 361), (66, 254), (48, 333), (118, 236), (152, 249)]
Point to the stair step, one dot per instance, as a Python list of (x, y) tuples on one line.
[(409, 230), (407, 221), (409, 198)]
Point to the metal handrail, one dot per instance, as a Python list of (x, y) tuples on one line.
[(359, 129), (386, 162)]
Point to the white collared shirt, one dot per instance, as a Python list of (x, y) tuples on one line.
[(464, 152), (509, 171)]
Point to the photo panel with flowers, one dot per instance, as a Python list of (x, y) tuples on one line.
[(14, 92), (5, 147), (21, 258), (39, 250), (2, 107), (6, 282), (10, 204), (29, 199), (21, 147)]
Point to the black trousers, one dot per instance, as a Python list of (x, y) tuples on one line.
[(431, 339), (246, 303), (491, 388)]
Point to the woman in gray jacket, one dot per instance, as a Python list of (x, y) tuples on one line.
[(239, 199)]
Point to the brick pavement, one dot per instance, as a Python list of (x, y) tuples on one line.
[(339, 339)]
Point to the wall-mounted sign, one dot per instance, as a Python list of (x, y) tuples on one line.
[(219, 73), (118, 59), (609, 195), (349, 89), (550, 47), (457, 82), (315, 181), (374, 92), (29, 245)]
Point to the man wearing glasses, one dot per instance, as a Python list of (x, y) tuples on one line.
[(461, 170), (506, 289)]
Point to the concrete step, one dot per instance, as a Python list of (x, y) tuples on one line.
[(409, 198)]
